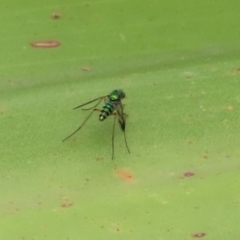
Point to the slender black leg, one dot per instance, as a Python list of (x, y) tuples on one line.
[(113, 131), (81, 124), (100, 98), (103, 98), (94, 105), (121, 120), (126, 141)]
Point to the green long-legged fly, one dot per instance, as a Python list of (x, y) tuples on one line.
[(113, 107)]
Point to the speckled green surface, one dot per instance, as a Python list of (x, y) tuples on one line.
[(178, 63)]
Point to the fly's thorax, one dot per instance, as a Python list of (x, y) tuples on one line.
[(117, 95)]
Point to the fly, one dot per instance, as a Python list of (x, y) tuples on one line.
[(113, 107)]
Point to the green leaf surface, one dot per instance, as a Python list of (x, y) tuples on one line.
[(178, 62)]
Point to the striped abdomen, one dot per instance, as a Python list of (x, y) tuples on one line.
[(107, 110)]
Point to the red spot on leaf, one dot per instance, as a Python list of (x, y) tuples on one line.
[(46, 44)]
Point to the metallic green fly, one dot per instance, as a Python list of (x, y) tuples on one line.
[(113, 106)]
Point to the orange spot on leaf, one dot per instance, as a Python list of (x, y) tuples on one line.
[(46, 44), (125, 175)]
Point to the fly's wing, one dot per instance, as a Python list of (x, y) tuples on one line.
[(94, 100), (122, 121), (121, 116)]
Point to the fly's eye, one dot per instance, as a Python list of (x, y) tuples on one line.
[(114, 98), (121, 94)]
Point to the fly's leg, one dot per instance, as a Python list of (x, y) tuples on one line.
[(94, 100), (123, 125), (103, 98), (93, 106), (81, 124), (121, 120), (100, 99), (113, 132)]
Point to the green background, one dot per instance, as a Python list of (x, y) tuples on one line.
[(178, 62)]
